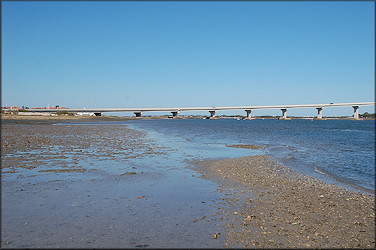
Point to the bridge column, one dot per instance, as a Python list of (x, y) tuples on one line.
[(175, 113), (356, 112), (138, 114), (212, 113), (249, 116), (284, 115), (319, 113)]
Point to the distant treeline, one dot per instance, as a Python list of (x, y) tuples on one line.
[(368, 115)]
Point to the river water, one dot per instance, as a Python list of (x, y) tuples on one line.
[(337, 151)]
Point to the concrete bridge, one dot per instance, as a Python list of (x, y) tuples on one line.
[(212, 110)]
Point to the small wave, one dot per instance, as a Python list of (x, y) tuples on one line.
[(355, 130), (320, 172), (348, 183)]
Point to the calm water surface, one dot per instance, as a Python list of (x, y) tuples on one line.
[(332, 150)]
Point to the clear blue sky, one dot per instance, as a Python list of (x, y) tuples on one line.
[(172, 54)]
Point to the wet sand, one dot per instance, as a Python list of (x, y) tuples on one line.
[(96, 186), (66, 145), (270, 206), (49, 119)]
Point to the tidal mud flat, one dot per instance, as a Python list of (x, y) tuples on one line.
[(271, 206), (97, 185), (102, 186)]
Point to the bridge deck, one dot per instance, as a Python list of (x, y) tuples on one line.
[(182, 109)]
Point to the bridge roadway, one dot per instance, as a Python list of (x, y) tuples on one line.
[(212, 110)]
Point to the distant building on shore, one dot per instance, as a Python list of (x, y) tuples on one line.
[(86, 113), (13, 107)]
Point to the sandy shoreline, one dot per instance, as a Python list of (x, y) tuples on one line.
[(61, 118), (271, 206), (263, 204)]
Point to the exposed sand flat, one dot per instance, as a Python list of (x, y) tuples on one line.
[(55, 143), (268, 205)]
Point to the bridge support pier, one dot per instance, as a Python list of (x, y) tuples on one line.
[(356, 113), (284, 115), (319, 113), (175, 113), (212, 113), (249, 115), (138, 114)]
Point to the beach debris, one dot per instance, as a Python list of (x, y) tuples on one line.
[(249, 146), (128, 173), (143, 245), (63, 170), (250, 217), (215, 236), (142, 197), (203, 217)]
